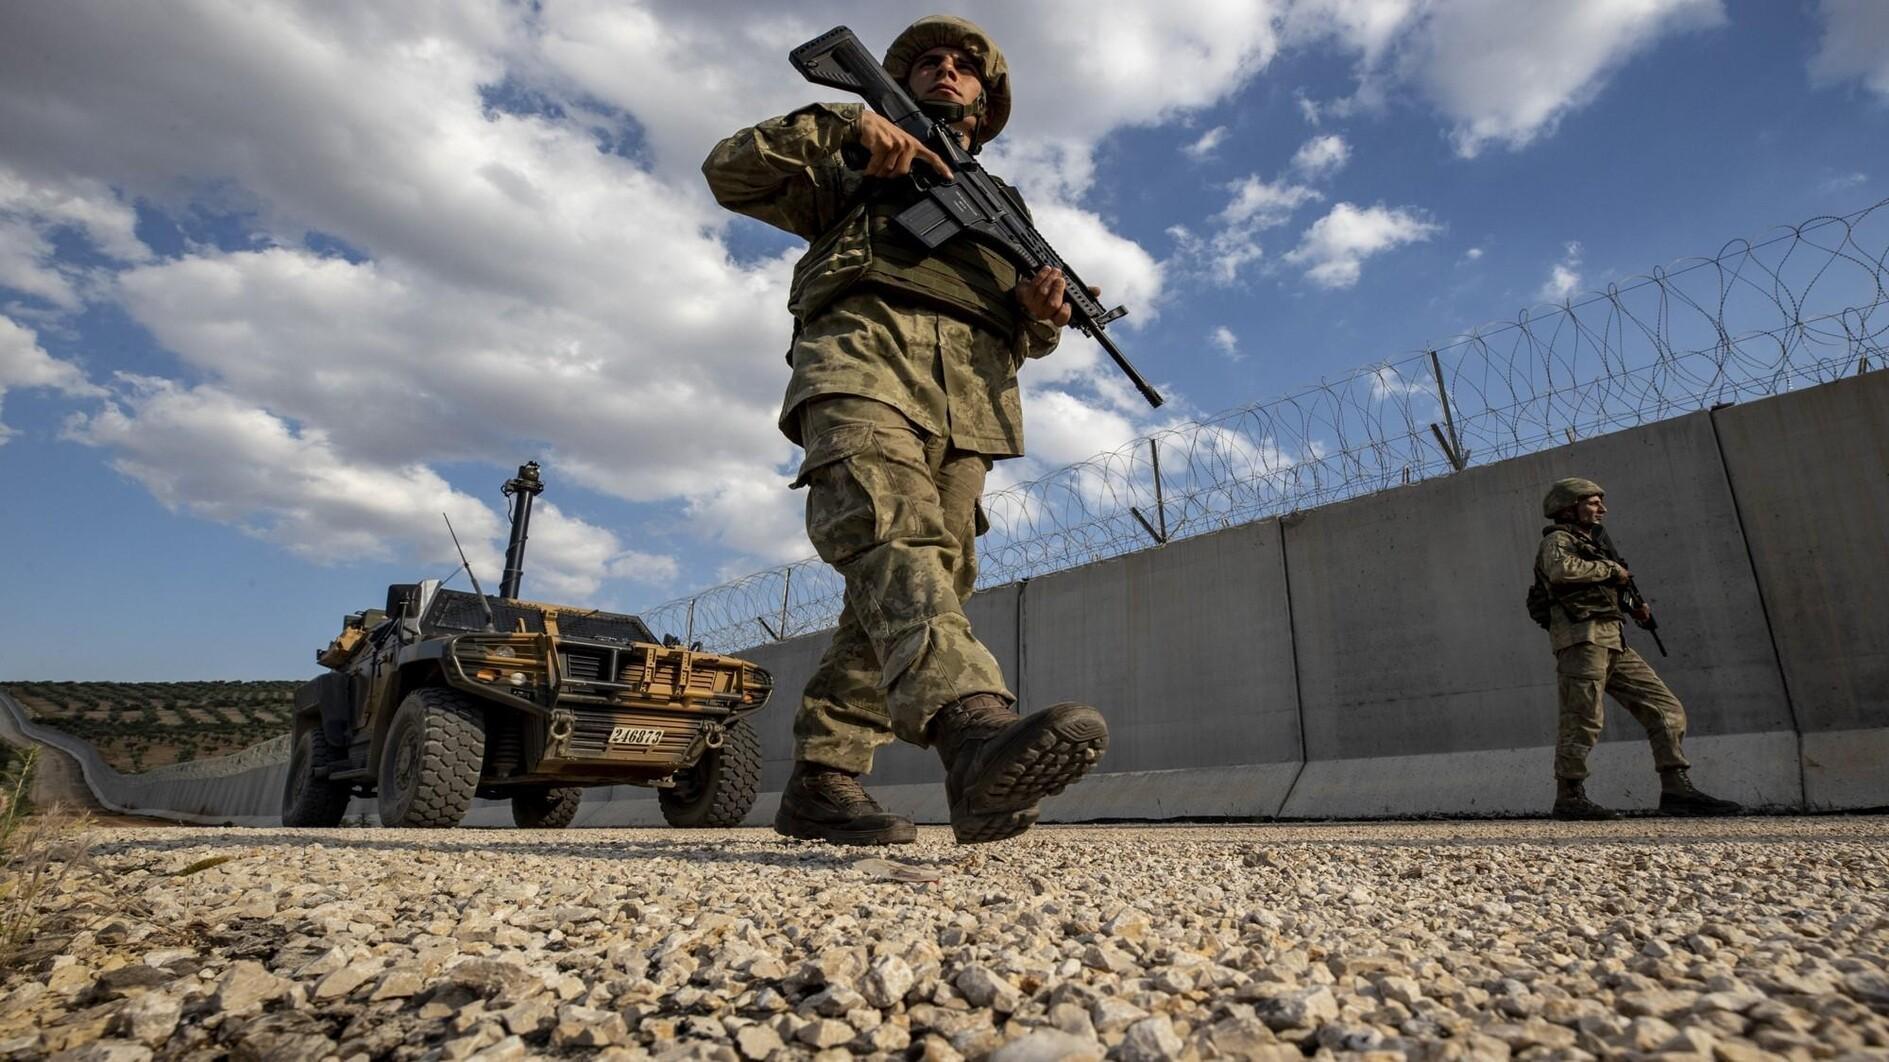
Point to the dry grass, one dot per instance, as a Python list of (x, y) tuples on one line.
[(39, 852)]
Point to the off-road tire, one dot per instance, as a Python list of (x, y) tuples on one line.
[(429, 768), (720, 788), (308, 801), (550, 808)]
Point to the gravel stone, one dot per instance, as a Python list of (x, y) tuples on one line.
[(827, 1032), (1150, 1040), (1048, 1045), (1730, 939), (887, 981), (149, 1018), (758, 1041), (246, 987)]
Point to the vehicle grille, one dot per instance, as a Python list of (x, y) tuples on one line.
[(591, 735), (584, 665)]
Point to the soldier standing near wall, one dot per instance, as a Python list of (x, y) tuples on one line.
[(903, 392), (1579, 582)]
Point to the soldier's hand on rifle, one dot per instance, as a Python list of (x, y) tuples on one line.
[(1042, 296), (1643, 614), (1623, 576), (893, 149)]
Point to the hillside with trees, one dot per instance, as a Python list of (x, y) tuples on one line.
[(137, 726)]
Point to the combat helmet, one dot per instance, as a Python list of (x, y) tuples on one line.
[(1568, 492), (948, 31)]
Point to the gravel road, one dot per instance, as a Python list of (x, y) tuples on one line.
[(1727, 939)]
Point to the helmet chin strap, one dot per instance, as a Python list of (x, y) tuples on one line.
[(952, 113)]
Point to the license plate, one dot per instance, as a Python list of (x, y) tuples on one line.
[(644, 736)]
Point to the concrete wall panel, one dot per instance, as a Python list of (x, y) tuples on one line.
[(1846, 768), (1186, 649), (791, 662), (1811, 473), (1407, 605)]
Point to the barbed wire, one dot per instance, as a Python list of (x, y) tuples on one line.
[(1802, 306)]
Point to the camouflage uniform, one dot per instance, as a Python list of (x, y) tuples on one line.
[(1592, 657), (903, 392)]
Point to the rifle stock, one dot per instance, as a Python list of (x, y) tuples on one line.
[(972, 203)]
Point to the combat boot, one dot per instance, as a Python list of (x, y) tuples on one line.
[(822, 803), (999, 766), (1677, 796), (1571, 803)]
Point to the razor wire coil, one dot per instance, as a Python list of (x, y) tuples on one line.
[(1800, 307)]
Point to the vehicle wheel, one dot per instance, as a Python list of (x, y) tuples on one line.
[(546, 809), (429, 769), (720, 788), (306, 799)]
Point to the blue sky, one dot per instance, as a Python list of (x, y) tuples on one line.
[(280, 283)]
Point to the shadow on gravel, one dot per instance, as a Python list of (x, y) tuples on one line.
[(775, 852)]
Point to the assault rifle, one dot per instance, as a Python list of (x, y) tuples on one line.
[(1630, 597), (972, 203)]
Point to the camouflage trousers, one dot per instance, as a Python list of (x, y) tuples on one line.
[(1585, 672), (894, 509)]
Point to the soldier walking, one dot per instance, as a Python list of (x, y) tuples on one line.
[(1580, 579), (903, 392)]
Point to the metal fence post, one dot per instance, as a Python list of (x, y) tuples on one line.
[(1160, 504), (787, 586), (1452, 446)]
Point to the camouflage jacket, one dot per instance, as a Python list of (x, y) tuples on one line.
[(1587, 603), (949, 376)]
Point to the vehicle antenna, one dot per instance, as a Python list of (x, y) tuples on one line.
[(491, 624)]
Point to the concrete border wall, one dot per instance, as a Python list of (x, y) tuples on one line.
[(1372, 657)]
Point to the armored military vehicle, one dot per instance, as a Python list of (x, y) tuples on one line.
[(445, 695)]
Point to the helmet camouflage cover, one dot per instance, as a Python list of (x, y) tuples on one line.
[(1568, 492), (949, 31)]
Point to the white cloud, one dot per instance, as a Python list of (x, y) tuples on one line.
[(1564, 278), (1332, 251), (1368, 27), (204, 451), (1507, 73), (23, 363), (1321, 156), (1233, 244), (1308, 107), (757, 516), (1843, 181), (520, 288), (1855, 44), (1265, 204), (1223, 340), (1473, 253), (32, 212), (638, 567), (1387, 382), (1063, 429), (1207, 144)]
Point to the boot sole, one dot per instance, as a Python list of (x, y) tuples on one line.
[(805, 830), (1040, 761)]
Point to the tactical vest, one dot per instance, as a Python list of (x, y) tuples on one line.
[(867, 248), (1584, 602)]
